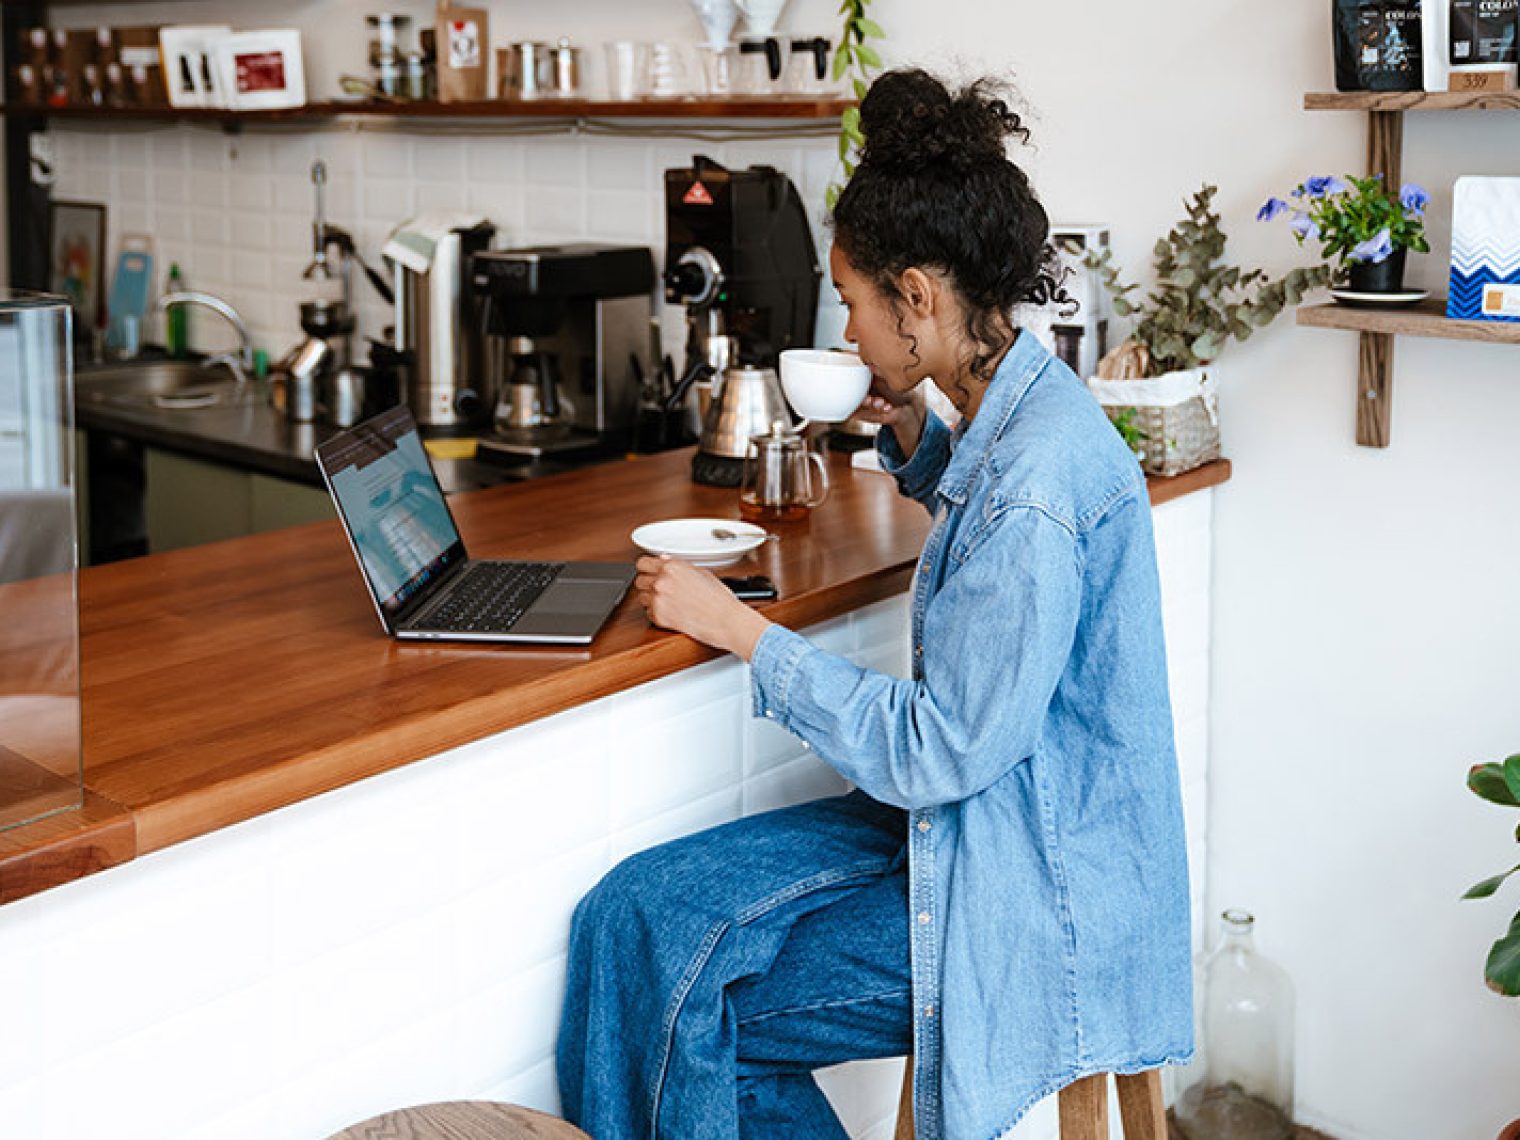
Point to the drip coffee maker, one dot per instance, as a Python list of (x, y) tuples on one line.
[(740, 257), (567, 347)]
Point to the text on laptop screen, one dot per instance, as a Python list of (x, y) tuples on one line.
[(393, 507)]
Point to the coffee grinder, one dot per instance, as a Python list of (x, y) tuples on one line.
[(567, 345), (739, 256)]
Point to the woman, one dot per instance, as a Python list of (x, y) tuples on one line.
[(1006, 892)]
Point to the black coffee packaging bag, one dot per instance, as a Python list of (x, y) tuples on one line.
[(1482, 31), (1377, 44)]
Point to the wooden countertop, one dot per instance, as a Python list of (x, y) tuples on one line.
[(224, 681)]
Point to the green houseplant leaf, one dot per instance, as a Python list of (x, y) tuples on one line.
[(1488, 781), (1499, 783), (1502, 970), (1489, 886)]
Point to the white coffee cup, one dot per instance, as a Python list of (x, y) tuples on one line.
[(824, 385)]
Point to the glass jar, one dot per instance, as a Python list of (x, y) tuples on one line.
[(40, 735), (1245, 1090)]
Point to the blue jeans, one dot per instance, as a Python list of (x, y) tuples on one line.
[(710, 976)]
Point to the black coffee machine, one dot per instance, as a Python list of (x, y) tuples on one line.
[(740, 256), (567, 347)]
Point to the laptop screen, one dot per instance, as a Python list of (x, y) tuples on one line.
[(392, 507)]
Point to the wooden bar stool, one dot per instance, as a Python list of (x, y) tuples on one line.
[(462, 1120), (1083, 1107)]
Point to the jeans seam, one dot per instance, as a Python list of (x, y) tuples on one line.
[(808, 886), (709, 944), (831, 1003), (668, 1027)]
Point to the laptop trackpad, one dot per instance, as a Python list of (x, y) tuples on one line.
[(569, 608), (577, 598)]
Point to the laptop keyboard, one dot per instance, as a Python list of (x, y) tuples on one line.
[(492, 596)]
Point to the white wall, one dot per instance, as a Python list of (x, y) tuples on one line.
[(1366, 617)]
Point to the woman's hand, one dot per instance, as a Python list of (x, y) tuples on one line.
[(903, 412), (679, 596)]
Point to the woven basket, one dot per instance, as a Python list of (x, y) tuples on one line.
[(1178, 414)]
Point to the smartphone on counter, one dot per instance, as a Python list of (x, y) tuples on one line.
[(758, 588)]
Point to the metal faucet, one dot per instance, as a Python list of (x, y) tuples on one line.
[(241, 361)]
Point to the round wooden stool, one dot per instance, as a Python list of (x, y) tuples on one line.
[(462, 1120), (1083, 1107)]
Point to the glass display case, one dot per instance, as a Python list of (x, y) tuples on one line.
[(40, 733)]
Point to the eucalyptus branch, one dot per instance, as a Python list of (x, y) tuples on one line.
[(858, 59), (1199, 303)]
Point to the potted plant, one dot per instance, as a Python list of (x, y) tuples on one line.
[(1499, 783), (1364, 229), (1158, 386)]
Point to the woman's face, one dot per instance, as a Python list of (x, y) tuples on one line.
[(874, 328)]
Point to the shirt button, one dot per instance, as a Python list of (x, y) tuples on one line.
[(928, 1011), (923, 918), (918, 651), (924, 825)]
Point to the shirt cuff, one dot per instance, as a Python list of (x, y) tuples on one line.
[(773, 664), (920, 474)]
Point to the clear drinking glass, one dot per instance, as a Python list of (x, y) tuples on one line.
[(669, 72), (627, 70), (1245, 1088), (40, 740)]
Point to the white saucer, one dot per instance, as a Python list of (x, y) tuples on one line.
[(694, 540), (1387, 300)]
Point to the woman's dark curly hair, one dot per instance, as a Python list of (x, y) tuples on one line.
[(934, 189)]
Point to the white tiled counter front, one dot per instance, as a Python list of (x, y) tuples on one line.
[(402, 940)]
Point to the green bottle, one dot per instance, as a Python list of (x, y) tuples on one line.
[(176, 320)]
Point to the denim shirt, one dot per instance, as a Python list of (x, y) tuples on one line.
[(1033, 749)]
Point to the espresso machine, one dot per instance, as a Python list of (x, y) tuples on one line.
[(739, 255), (567, 347)]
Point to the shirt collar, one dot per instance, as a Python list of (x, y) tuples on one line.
[(1020, 365)]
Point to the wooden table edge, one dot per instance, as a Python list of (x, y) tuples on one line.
[(104, 834)]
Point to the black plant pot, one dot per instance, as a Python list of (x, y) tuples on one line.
[(1386, 276)]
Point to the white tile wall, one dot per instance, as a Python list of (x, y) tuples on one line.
[(235, 211), (402, 940)]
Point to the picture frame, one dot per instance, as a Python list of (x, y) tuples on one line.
[(76, 260)]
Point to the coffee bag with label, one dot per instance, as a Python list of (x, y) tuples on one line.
[(1482, 31), (1377, 45)]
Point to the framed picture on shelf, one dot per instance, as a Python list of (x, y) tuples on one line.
[(76, 256)]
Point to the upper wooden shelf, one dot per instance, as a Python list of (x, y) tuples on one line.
[(1412, 101), (1428, 319), (495, 109)]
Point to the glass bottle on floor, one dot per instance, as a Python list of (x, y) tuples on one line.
[(1245, 1090)]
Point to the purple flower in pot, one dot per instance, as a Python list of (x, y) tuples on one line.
[(1379, 247)]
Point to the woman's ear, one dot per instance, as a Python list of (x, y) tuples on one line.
[(918, 291)]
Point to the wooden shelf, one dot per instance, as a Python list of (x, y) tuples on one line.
[(808, 109), (1412, 101), (1385, 145), (1427, 319)]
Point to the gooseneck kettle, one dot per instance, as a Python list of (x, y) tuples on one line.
[(746, 402)]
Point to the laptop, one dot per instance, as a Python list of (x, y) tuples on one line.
[(424, 586)]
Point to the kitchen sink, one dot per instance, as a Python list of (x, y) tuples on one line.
[(173, 385)]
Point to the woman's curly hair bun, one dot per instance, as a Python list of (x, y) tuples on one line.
[(935, 189), (911, 121)]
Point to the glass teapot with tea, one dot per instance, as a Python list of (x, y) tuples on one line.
[(783, 478)]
